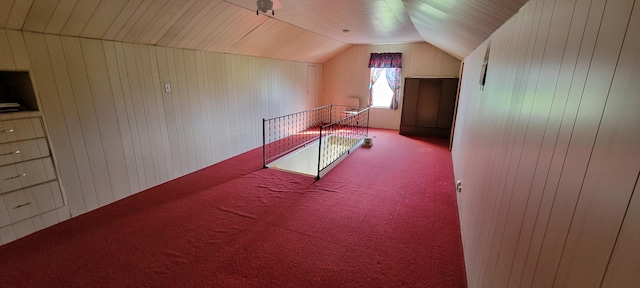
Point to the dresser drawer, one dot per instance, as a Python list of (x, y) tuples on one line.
[(24, 174), (20, 129), (23, 151), (29, 202), (31, 197)]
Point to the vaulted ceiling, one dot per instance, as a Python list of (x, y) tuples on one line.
[(301, 30)]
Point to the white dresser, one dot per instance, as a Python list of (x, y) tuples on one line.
[(31, 197)]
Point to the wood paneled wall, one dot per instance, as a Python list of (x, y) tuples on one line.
[(13, 56), (346, 75), (114, 129), (548, 152)]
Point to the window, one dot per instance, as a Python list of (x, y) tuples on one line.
[(381, 93), (384, 79)]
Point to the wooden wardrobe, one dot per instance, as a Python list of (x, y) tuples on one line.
[(428, 106)]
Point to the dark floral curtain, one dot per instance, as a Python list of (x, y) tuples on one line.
[(374, 75), (385, 60), (394, 80)]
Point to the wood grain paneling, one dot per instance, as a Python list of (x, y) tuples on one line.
[(410, 99), (60, 15), (624, 267), (5, 10), (447, 104), (17, 56), (114, 129), (215, 25), (205, 25), (622, 138), (612, 173), (102, 17), (79, 17), (18, 50), (118, 89), (39, 15), (571, 187), (6, 62), (87, 112), (458, 26), (560, 64), (529, 129), (347, 75), (429, 112), (67, 107), (18, 13), (546, 188), (109, 130)]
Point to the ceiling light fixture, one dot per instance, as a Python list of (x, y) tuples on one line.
[(265, 5)]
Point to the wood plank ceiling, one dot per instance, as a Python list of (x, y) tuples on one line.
[(459, 26), (301, 30)]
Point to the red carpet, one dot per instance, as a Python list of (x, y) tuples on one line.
[(385, 217)]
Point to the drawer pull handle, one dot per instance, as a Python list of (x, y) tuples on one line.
[(7, 131), (25, 204), (14, 152), (17, 176)]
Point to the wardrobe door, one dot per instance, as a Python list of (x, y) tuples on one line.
[(428, 106), (410, 101), (428, 102), (447, 103)]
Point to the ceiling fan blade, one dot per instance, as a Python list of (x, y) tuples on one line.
[(277, 4)]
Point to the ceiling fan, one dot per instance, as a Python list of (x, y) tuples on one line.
[(265, 5)]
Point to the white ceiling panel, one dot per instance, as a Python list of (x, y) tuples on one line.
[(368, 21), (459, 26), (300, 30)]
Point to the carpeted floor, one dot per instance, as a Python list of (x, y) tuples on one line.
[(385, 217)]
